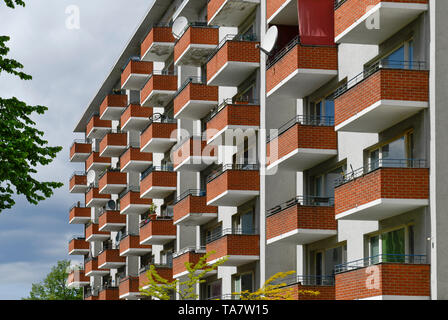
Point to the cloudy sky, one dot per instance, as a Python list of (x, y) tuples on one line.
[(68, 66)]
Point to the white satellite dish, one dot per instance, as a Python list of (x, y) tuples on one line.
[(270, 39), (91, 177), (179, 26)]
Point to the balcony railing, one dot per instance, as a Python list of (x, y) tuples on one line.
[(306, 280), (230, 101), (381, 163), (154, 218), (167, 167), (230, 231), (381, 258), (224, 168), (303, 201), (194, 80), (193, 249), (158, 118), (129, 189), (193, 24), (380, 64), (232, 37), (190, 192)]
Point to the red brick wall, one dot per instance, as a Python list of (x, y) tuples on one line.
[(272, 6), (237, 115), (233, 180), (192, 204), (193, 147), (300, 217), (134, 154), (112, 177), (78, 180), (80, 148), (78, 276), (136, 67), (113, 100), (128, 285), (132, 242), (113, 139), (158, 130), (302, 57), (196, 35), (110, 255), (133, 198), (94, 194), (352, 10), (195, 91), (247, 245), (385, 84), (79, 212), (109, 294), (159, 179), (212, 7), (91, 265), (95, 158), (325, 292), (391, 183), (302, 136), (93, 229), (241, 51), (165, 273), (384, 279), (111, 217), (135, 111), (77, 244), (95, 122), (157, 34), (179, 261), (158, 82), (157, 228)]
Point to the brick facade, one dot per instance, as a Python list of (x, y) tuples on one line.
[(78, 244), (133, 198), (159, 83), (195, 92), (157, 228), (112, 178), (93, 229), (158, 130), (85, 148), (179, 261), (192, 204), (129, 285), (325, 292), (95, 158), (134, 154), (136, 67), (78, 180), (132, 242), (78, 212), (96, 122), (111, 216), (113, 100), (193, 148), (135, 111), (157, 34), (94, 193), (233, 244), (164, 272), (158, 179), (272, 6), (196, 35), (113, 139), (110, 256)]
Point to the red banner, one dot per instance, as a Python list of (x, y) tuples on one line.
[(316, 22)]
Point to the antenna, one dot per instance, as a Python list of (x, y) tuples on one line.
[(179, 26), (270, 39), (111, 205), (91, 177)]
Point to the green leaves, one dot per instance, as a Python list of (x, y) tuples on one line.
[(12, 3)]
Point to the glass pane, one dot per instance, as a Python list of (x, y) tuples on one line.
[(374, 249), (393, 246), (329, 108), (374, 158), (411, 54), (247, 222), (246, 282), (332, 257), (393, 152), (319, 189), (395, 59)]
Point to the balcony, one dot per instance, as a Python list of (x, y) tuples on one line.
[(109, 258), (130, 246), (233, 185), (159, 89), (80, 150), (111, 220), (135, 74), (300, 221), (232, 121), (383, 189), (91, 268), (384, 277), (131, 203), (193, 154), (129, 288), (158, 44), (165, 271), (235, 59), (93, 234), (188, 255), (97, 128), (133, 160), (93, 198), (78, 246), (78, 182), (77, 278), (79, 214), (298, 70), (196, 43), (190, 209), (113, 144), (90, 294), (96, 163), (160, 135), (158, 182), (383, 95), (230, 13), (113, 106), (135, 118), (361, 22), (108, 293), (295, 285), (187, 7), (157, 230), (194, 100), (282, 12), (240, 246), (301, 143), (112, 181)]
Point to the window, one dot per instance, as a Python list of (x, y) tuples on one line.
[(243, 282), (323, 108), (326, 260), (214, 289), (395, 153), (323, 185), (401, 57), (392, 246), (244, 222)]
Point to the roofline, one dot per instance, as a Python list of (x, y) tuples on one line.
[(153, 15)]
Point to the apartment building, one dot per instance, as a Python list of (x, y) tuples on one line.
[(325, 156)]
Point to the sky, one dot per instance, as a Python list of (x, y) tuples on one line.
[(68, 66)]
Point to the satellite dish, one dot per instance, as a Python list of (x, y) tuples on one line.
[(111, 205), (179, 26), (91, 177), (270, 39)]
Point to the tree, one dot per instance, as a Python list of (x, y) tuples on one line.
[(22, 148), (53, 287), (162, 289), (271, 291)]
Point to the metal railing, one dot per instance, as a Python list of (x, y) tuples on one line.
[(78, 237), (381, 163), (103, 173), (160, 73), (109, 246), (132, 58), (380, 64), (151, 169), (193, 249), (126, 234), (230, 231), (314, 201), (179, 144), (381, 258), (192, 79), (338, 3), (77, 205), (154, 218), (306, 280), (156, 265), (129, 189), (158, 118), (197, 24), (78, 173), (190, 192), (324, 121), (227, 167), (81, 141), (230, 101), (232, 37)]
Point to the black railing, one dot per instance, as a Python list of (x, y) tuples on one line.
[(380, 64), (156, 265), (196, 24), (230, 101), (279, 55), (90, 292), (224, 168), (109, 246), (103, 173), (306, 280), (77, 237), (324, 121), (81, 141), (232, 37), (313, 201), (151, 169), (230, 231), (129, 189), (190, 192), (77, 205), (132, 58), (338, 3), (381, 258), (160, 73), (158, 118), (381, 163), (192, 79), (157, 218)]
